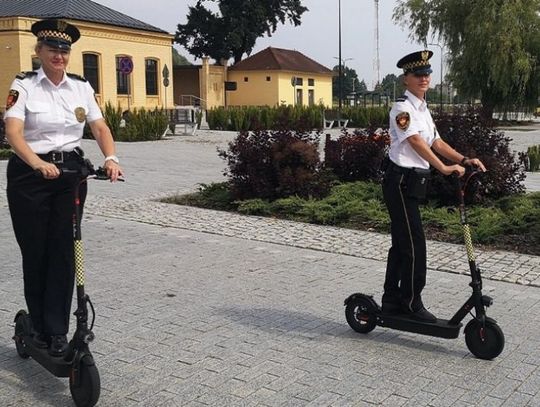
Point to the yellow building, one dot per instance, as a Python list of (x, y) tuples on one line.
[(110, 44), (276, 76), (264, 79)]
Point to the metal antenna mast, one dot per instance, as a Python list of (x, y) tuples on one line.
[(376, 60)]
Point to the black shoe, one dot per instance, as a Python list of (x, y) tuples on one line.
[(389, 308), (58, 346), (40, 340), (422, 315)]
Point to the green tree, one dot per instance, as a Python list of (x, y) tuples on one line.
[(233, 31), (178, 59), (392, 85), (494, 46), (362, 87), (350, 84)]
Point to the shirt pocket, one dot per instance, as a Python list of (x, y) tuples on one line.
[(39, 115)]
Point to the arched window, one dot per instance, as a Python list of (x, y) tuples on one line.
[(151, 66), (91, 70), (122, 78)]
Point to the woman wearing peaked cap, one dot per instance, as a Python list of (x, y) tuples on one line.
[(45, 115), (413, 140)]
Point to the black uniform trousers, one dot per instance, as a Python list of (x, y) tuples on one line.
[(406, 266), (42, 215)]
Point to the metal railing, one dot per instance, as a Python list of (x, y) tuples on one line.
[(192, 101)]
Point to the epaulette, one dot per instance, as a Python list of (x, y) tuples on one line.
[(78, 77), (402, 98), (27, 74)]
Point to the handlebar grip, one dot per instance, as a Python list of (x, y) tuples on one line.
[(99, 174), (63, 171)]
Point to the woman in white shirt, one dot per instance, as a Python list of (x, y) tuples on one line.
[(45, 115), (413, 140)]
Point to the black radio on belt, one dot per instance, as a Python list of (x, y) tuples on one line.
[(417, 182)]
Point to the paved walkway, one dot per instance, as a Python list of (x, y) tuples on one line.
[(203, 308)]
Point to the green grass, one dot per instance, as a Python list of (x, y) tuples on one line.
[(5, 153), (511, 223)]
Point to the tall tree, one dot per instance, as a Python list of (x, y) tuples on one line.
[(178, 59), (350, 82), (494, 46), (233, 31), (392, 86)]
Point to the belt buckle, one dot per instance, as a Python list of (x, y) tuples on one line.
[(57, 157)]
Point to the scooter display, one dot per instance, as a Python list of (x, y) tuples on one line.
[(484, 338), (78, 363)]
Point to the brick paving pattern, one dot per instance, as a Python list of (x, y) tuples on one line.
[(204, 308)]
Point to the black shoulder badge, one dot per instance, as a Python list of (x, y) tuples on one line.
[(402, 98), (77, 77), (24, 75)]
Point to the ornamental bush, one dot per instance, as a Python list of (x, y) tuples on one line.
[(357, 156), (140, 124), (244, 118), (275, 164), (475, 136)]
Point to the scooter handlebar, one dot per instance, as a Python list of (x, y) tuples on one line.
[(85, 172)]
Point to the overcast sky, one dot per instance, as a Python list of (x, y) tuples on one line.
[(316, 37)]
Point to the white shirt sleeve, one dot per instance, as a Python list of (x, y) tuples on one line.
[(18, 109), (412, 128), (94, 112)]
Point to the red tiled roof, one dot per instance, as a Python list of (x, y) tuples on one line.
[(278, 59)]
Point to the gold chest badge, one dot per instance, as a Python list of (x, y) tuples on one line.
[(80, 114)]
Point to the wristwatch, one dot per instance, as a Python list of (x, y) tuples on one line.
[(464, 159), (112, 158)]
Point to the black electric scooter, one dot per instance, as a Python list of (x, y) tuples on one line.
[(77, 363), (483, 336)]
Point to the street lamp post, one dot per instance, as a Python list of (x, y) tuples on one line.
[(341, 74), (340, 79), (441, 85)]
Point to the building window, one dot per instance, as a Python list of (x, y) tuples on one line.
[(299, 97), (151, 77), (268, 79), (311, 82), (245, 79), (311, 97), (91, 70), (122, 79), (36, 63), (299, 81)]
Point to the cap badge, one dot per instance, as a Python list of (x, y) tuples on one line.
[(425, 55), (61, 25)]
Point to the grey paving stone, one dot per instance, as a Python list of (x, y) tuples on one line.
[(199, 308)]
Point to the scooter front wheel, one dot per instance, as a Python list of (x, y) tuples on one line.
[(19, 335), (86, 392), (485, 341), (360, 315)]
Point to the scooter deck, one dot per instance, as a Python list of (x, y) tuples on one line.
[(402, 322), (56, 365)]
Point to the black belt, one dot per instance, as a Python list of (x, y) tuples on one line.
[(58, 157), (397, 169)]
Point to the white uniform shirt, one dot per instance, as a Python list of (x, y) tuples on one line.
[(53, 116), (420, 122)]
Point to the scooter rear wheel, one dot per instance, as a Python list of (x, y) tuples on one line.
[(86, 393), (19, 334), (360, 315), (484, 341)]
